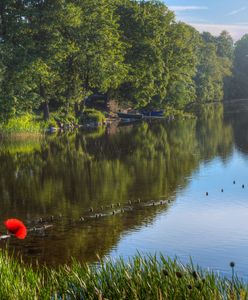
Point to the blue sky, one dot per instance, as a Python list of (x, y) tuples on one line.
[(213, 15)]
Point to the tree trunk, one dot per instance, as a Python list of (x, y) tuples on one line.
[(46, 113), (76, 110)]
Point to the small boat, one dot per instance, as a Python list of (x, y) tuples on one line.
[(153, 113), (130, 116)]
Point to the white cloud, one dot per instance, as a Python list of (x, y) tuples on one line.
[(236, 30), (235, 12), (185, 8), (241, 23)]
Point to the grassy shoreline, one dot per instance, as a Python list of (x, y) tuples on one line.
[(31, 123), (153, 277), (25, 124)]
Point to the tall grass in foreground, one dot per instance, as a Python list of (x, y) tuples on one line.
[(140, 278)]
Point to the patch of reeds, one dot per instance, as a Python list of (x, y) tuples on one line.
[(151, 277), (26, 123)]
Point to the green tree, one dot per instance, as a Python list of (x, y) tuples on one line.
[(12, 52), (94, 53), (240, 69), (214, 66), (225, 45), (145, 26), (181, 57), (55, 53)]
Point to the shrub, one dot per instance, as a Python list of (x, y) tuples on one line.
[(23, 123), (92, 115)]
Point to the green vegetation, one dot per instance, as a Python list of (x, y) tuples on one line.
[(141, 278), (92, 115), (26, 123), (215, 63), (55, 54), (21, 143), (238, 87)]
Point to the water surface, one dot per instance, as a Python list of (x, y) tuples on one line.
[(137, 187)]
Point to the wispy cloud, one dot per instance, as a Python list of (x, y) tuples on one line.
[(236, 30), (237, 11), (185, 8)]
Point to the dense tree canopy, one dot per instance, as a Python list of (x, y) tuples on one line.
[(55, 53), (214, 65), (239, 83)]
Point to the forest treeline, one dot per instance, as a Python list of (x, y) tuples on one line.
[(56, 53)]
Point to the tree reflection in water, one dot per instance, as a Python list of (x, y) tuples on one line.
[(65, 175)]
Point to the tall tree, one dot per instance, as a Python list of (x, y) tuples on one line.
[(12, 52), (182, 54), (102, 60), (214, 66), (240, 69), (145, 26)]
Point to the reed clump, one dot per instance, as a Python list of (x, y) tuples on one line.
[(150, 277), (26, 123)]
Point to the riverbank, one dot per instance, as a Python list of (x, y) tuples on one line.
[(153, 277), (32, 124)]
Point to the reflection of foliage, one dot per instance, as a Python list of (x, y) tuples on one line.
[(236, 116), (75, 170), (95, 133), (69, 173), (20, 144), (215, 139)]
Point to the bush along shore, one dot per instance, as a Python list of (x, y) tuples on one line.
[(152, 277), (31, 123)]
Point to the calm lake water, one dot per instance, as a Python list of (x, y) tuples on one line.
[(148, 181)]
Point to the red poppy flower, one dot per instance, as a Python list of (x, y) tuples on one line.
[(16, 227)]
